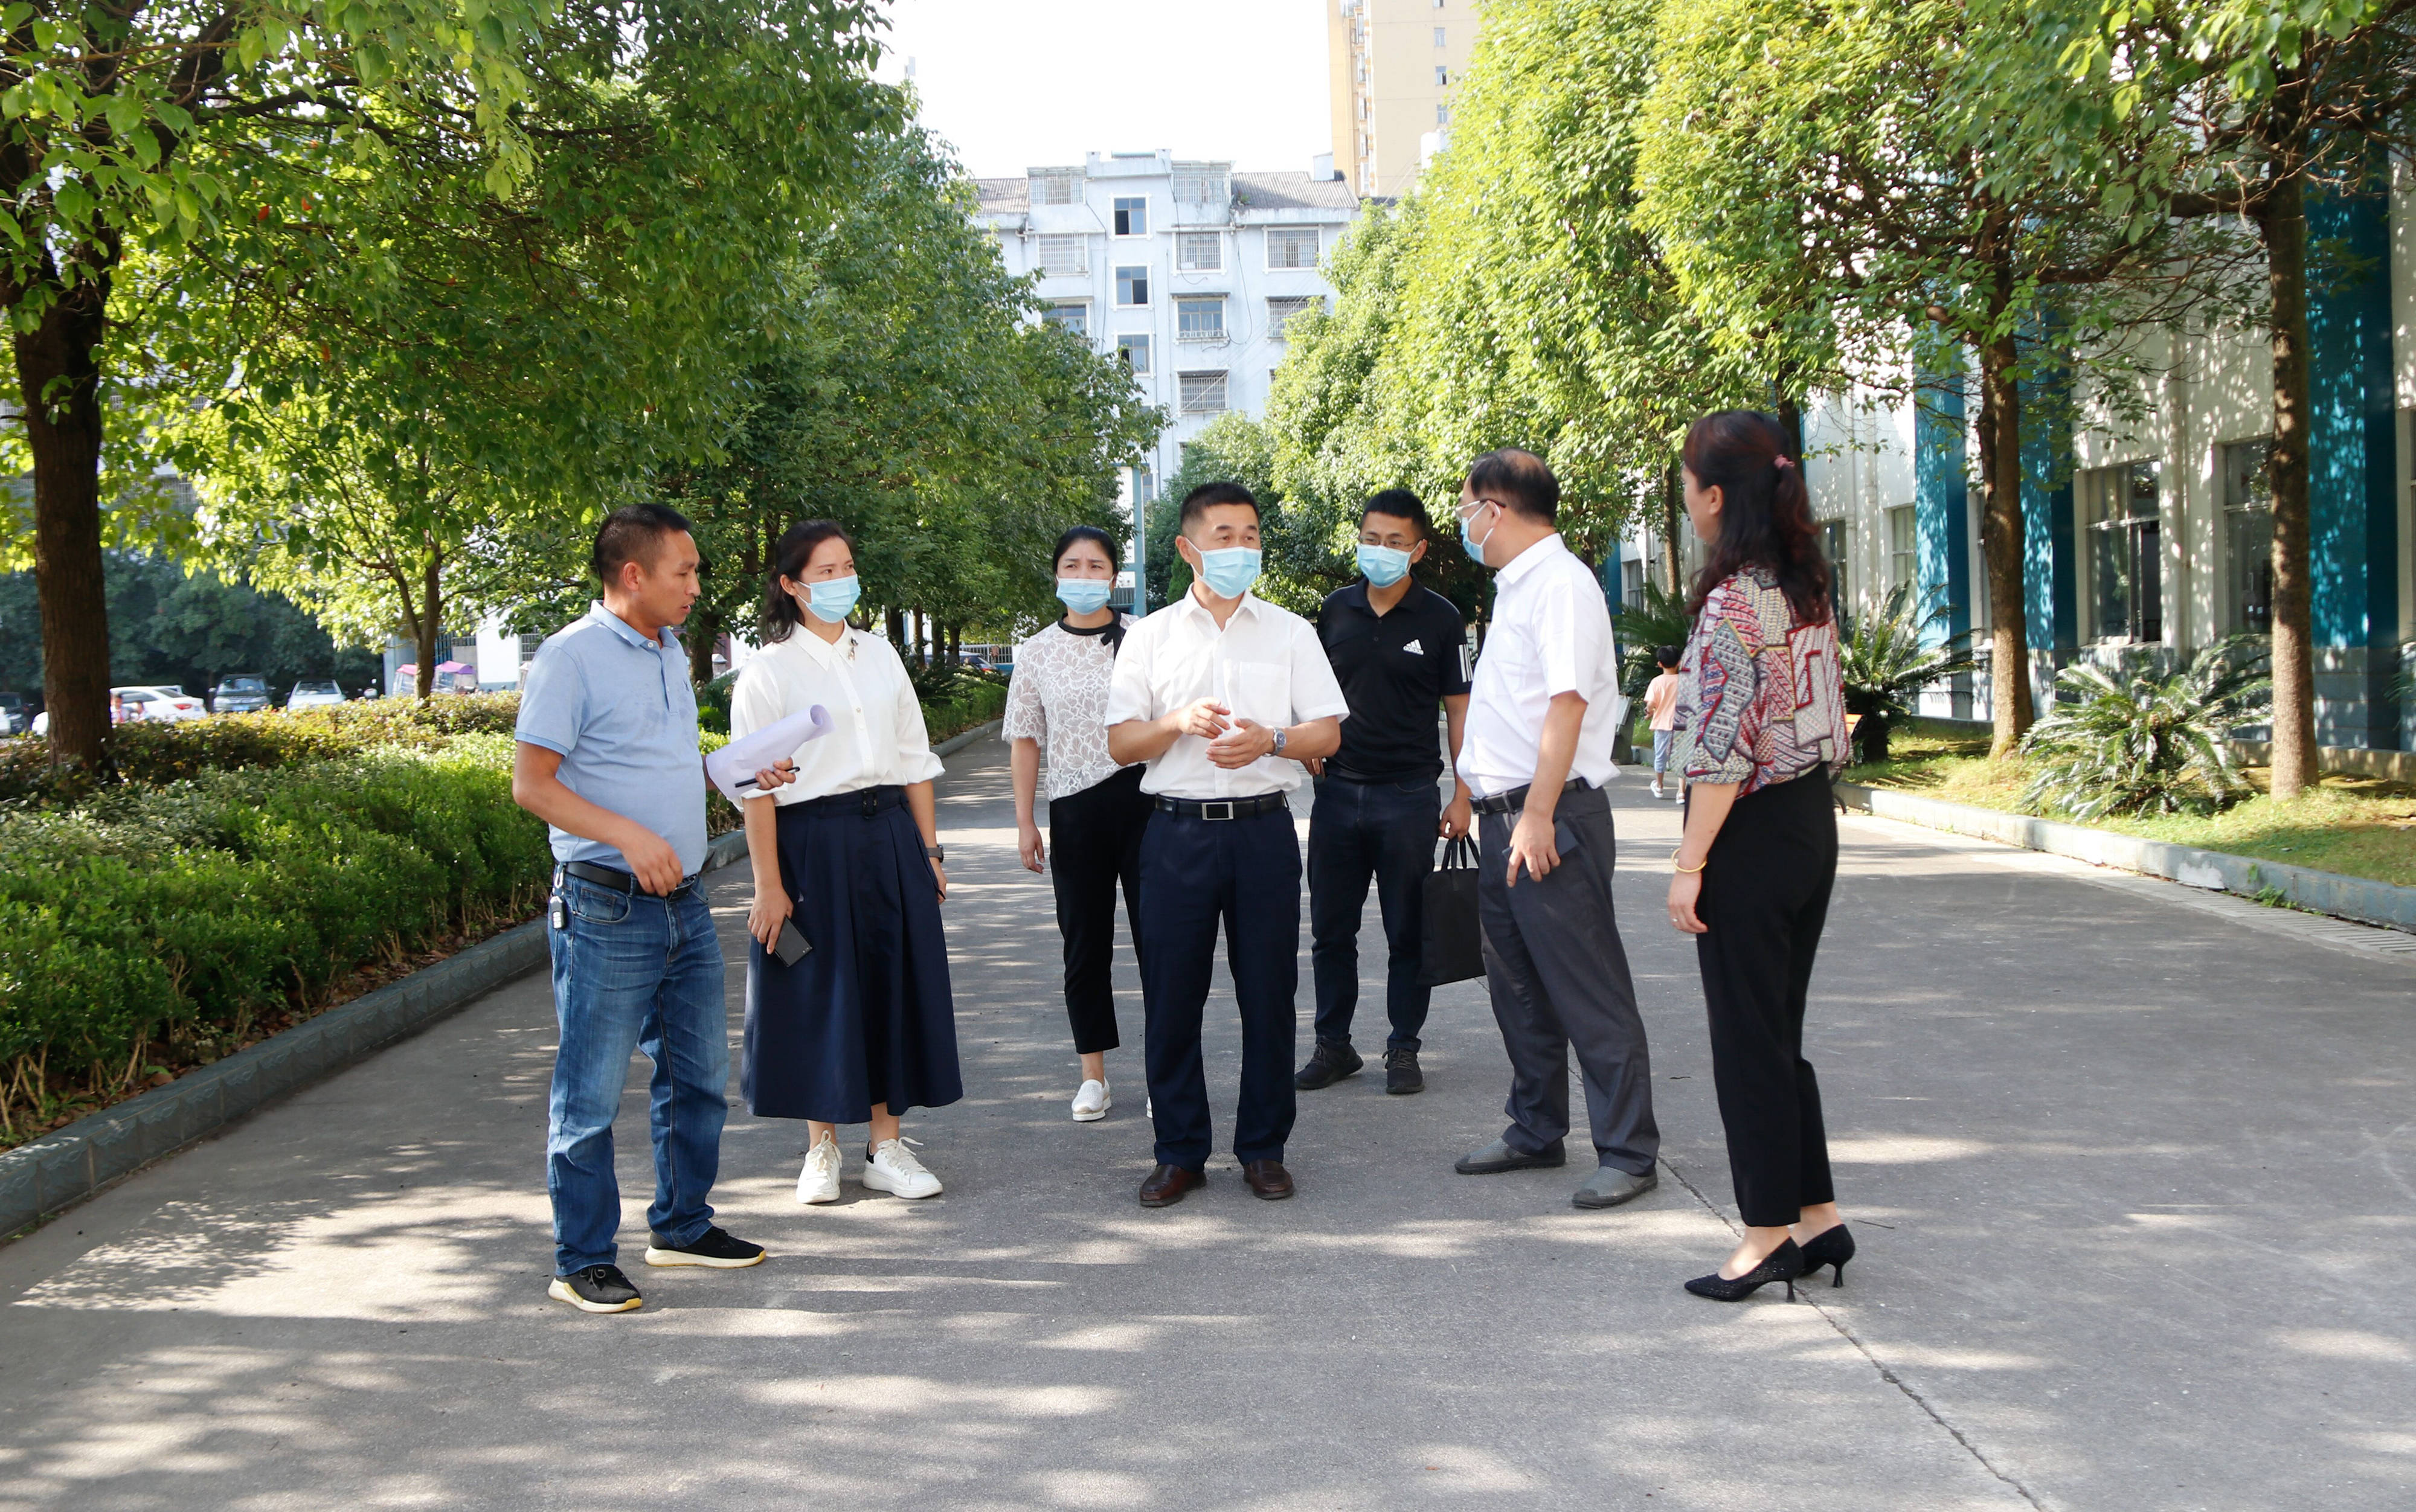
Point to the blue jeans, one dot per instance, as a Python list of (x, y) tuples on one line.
[(1358, 831), (634, 971)]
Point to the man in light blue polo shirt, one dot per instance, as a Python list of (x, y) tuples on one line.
[(608, 757)]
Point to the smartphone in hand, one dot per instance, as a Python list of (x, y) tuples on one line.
[(791, 946)]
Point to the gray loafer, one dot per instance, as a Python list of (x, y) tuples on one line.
[(1610, 1185), (1499, 1155)]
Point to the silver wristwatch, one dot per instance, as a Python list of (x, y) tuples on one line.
[(1280, 742)]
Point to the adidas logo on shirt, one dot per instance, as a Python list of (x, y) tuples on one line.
[(1413, 648)]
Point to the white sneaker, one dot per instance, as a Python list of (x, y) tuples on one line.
[(894, 1169), (1657, 792), (1091, 1103), (818, 1181)]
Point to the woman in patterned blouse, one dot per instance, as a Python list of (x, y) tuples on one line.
[(1760, 723), (1096, 811)]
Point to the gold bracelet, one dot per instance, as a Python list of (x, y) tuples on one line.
[(1687, 870)]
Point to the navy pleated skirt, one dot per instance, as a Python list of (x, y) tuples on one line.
[(866, 1016)]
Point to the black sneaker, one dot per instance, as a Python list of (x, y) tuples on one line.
[(1401, 1073), (717, 1249), (1327, 1065), (597, 1289)]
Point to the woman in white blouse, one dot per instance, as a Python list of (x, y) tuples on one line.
[(1096, 810), (862, 1027)]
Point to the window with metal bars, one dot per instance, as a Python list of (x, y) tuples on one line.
[(1202, 393), (2125, 552), (1291, 247), (1199, 251), (1056, 186), (1204, 183), (1281, 311), (1064, 256)]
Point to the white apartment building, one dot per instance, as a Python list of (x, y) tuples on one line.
[(1187, 270)]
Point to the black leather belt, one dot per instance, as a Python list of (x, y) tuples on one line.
[(865, 801), (619, 881), (1223, 808), (1515, 799)]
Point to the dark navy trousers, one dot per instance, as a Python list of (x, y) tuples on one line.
[(1358, 831), (1194, 874)]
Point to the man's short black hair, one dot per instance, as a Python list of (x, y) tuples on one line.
[(1207, 497), (633, 534), (1518, 479), (1396, 503)]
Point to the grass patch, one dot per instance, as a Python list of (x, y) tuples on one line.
[(2357, 826)]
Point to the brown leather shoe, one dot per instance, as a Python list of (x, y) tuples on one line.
[(1268, 1179), (1168, 1184)]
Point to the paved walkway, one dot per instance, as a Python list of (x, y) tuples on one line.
[(2132, 1171)]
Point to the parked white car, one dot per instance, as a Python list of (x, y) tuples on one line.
[(156, 702), (316, 693)]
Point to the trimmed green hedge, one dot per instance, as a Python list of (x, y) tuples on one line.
[(148, 922)]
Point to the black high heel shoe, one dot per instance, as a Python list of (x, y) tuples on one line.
[(1830, 1246), (1783, 1264)]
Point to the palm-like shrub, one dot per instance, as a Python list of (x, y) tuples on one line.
[(1883, 665), (1660, 619), (2141, 744)]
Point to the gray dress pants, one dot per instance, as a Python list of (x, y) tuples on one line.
[(1558, 977)]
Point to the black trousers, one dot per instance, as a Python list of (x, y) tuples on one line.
[(1765, 897), (1383, 830), (1095, 843), (1195, 874)]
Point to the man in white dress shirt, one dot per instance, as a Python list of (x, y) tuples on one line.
[(1223, 695), (1541, 716)]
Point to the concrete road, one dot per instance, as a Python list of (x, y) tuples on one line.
[(2130, 1167)]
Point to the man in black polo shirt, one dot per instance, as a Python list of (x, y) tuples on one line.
[(1397, 650)]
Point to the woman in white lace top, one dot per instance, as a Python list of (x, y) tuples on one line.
[(1058, 699)]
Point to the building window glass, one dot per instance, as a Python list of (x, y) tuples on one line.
[(1281, 311), (1132, 218), (1631, 581), (1073, 314), (1439, 37), (1144, 483), (1134, 349), (1832, 546), (1063, 256), (1291, 247), (1200, 319), (1202, 393), (1902, 554), (1056, 186), (1443, 115), (1199, 251), (1443, 76), (2126, 553), (2248, 538), (1132, 286)]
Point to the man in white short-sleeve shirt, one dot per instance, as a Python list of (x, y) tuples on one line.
[(1223, 695), (1541, 715)]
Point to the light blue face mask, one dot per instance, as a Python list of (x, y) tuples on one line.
[(834, 598), (1475, 548), (1084, 595), (1229, 573), (1384, 565)]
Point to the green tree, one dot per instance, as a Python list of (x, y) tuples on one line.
[(265, 168), (1857, 164), (2270, 103)]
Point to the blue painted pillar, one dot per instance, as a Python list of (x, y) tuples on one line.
[(2353, 452), (2050, 569), (1941, 514)]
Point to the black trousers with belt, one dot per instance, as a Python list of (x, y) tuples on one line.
[(1195, 874), (1765, 898), (1093, 844)]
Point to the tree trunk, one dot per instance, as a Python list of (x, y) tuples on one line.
[(431, 609), (2002, 545), (2283, 227), (1673, 513), (896, 621), (704, 629), (1790, 420), (58, 377)]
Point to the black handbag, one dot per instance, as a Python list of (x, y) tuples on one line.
[(1452, 944)]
